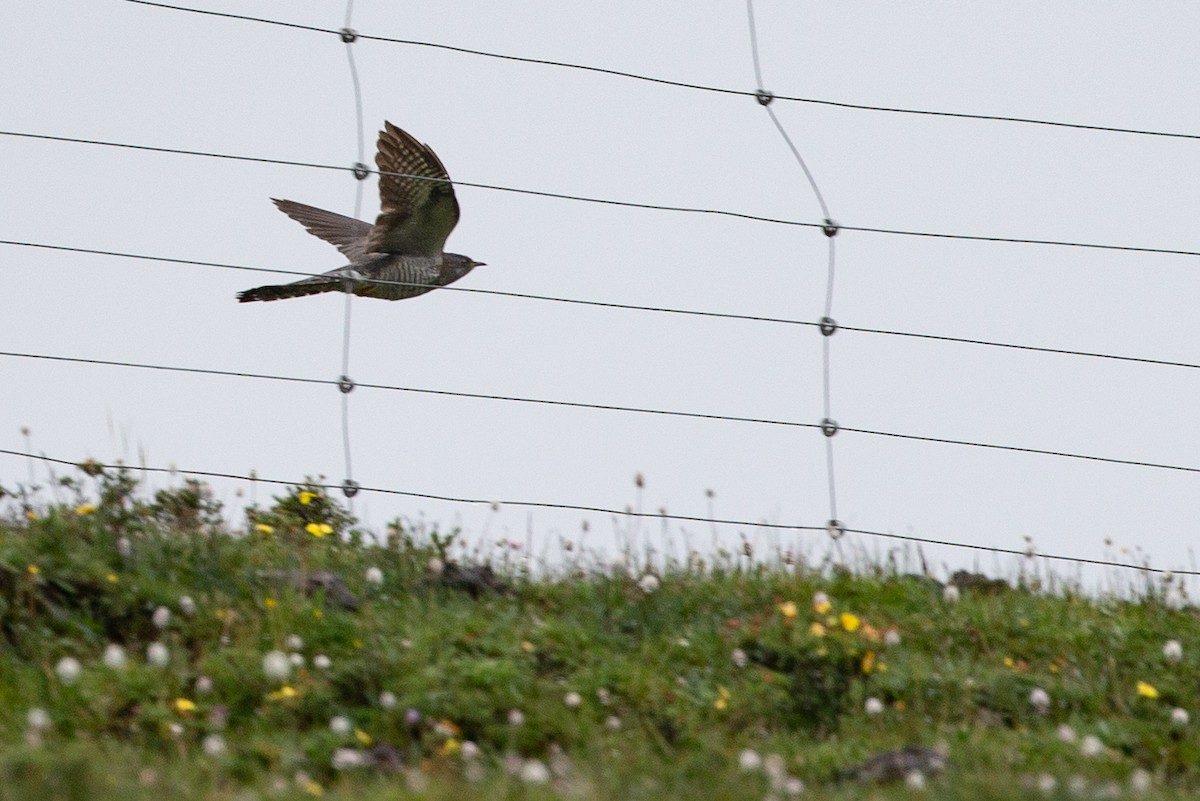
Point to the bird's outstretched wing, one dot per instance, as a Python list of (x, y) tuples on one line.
[(417, 215), (345, 233)]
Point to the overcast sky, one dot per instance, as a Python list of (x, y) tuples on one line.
[(130, 73)]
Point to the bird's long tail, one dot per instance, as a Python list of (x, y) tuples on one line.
[(296, 290)]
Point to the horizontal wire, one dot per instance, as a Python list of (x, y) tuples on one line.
[(607, 407), (661, 515), (631, 306), (685, 84), (628, 203)]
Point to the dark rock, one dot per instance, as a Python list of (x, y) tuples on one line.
[(473, 579), (891, 766)]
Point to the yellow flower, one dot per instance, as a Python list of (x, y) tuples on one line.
[(449, 747), (722, 699), (263, 528), (283, 693), (363, 737), (868, 662), (33, 570), (527, 646), (31, 516), (85, 509), (113, 578), (1008, 661), (318, 613), (357, 643), (184, 705), (319, 529), (881, 667), (816, 629), (306, 497), (270, 603), (822, 606), (850, 622), (312, 788), (788, 609), (1146, 690)]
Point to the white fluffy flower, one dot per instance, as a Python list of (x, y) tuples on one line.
[(572, 700), (891, 637), (534, 771), (204, 685), (161, 617), (347, 759), (114, 656), (739, 657), (1173, 599), (176, 729), (612, 723), (516, 717), (187, 606), (873, 706), (297, 660), (68, 670), (275, 665), (294, 642), (374, 576), (1179, 717), (1065, 733), (1172, 651), (1140, 781), (648, 583), (1091, 746), (388, 700), (915, 780), (950, 594), (340, 725), (1047, 784), (1039, 699), (322, 662), (470, 750), (793, 786), (157, 654), (37, 719), (436, 566), (749, 759), (214, 745), (124, 547)]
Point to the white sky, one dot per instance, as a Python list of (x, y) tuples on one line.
[(129, 73)]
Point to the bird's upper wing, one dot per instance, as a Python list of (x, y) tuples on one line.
[(417, 215), (345, 233)]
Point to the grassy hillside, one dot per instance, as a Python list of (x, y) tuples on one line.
[(150, 652)]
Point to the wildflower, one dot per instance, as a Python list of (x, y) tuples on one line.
[(612, 723), (1009, 662), (340, 724), (950, 594), (31, 516), (534, 771), (603, 696), (515, 717), (450, 747), (915, 780), (436, 566), (850, 622), (68, 670), (85, 509), (1172, 651), (161, 617), (873, 706), (275, 665), (1174, 599), (312, 787), (296, 659), (270, 602), (387, 700), (1047, 784), (319, 529), (374, 576), (187, 606), (157, 654), (648, 583), (294, 642), (1091, 746), (213, 745), (1146, 690), (788, 610), (284, 693), (112, 578), (749, 760), (891, 637), (821, 603), (527, 646), (572, 700), (307, 497), (816, 629), (264, 529), (739, 657), (362, 737), (1065, 733), (868, 662), (33, 570), (322, 662), (184, 705), (124, 547), (1039, 699), (347, 759), (722, 701), (175, 729), (204, 685), (1179, 717), (793, 786), (1139, 781), (114, 656), (37, 719)]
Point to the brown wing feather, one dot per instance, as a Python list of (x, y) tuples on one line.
[(345, 233), (417, 214)]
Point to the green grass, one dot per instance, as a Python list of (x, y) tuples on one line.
[(665, 711)]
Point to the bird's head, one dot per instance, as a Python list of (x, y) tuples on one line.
[(461, 264)]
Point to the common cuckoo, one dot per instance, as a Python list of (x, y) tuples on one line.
[(404, 245)]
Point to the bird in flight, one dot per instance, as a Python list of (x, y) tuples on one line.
[(404, 246)]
